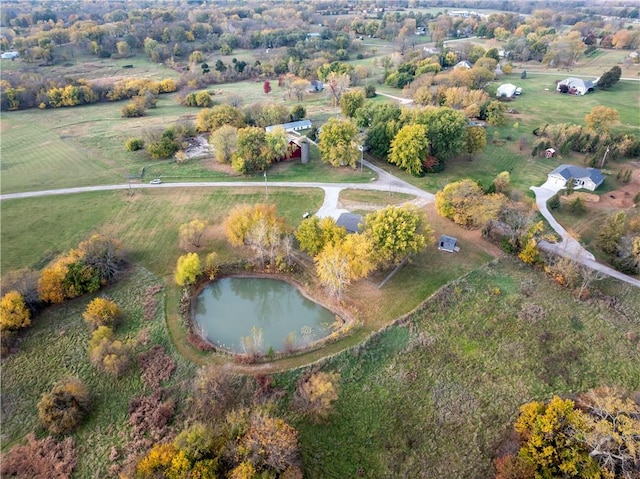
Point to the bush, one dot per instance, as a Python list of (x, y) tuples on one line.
[(554, 202), (316, 393), (14, 313), (102, 312), (134, 144), (156, 366), (370, 91), (62, 409), (107, 354), (40, 458)]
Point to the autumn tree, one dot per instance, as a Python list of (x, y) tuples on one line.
[(350, 102), (314, 233), (224, 142), (337, 265), (300, 87), (336, 84), (316, 394), (271, 441), (68, 277), (14, 313), (600, 118), (475, 140), (210, 119), (266, 86), (466, 204), (108, 354), (612, 430), (276, 145), (188, 268), (191, 233), (501, 181), (396, 233), (495, 113), (102, 312), (549, 442), (410, 148), (257, 227), (337, 143), (63, 408)]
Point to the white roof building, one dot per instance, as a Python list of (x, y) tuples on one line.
[(506, 90)]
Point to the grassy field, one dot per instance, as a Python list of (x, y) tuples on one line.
[(56, 347), (436, 397)]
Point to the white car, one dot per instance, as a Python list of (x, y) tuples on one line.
[(157, 181)]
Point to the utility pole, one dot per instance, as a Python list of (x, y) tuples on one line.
[(604, 157), (266, 185)]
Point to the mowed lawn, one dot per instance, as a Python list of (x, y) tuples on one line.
[(436, 397), (35, 230)]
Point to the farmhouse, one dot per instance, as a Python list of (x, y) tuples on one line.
[(350, 221), (291, 126), (506, 90), (576, 86), (587, 178)]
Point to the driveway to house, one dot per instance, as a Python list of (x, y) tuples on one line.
[(403, 101), (569, 247)]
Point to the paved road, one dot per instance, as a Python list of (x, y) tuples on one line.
[(385, 182), (569, 247)]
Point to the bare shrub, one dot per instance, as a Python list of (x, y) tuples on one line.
[(150, 304), (151, 414), (532, 313), (40, 459), (218, 391), (156, 366)]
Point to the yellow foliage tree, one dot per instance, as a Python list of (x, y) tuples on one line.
[(102, 312), (191, 232), (14, 313), (339, 264), (51, 286), (316, 393), (188, 269)]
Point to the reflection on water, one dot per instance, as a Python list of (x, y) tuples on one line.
[(234, 308)]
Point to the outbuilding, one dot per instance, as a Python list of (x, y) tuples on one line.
[(448, 243), (575, 86), (351, 222), (506, 90)]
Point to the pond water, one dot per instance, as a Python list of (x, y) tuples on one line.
[(256, 314)]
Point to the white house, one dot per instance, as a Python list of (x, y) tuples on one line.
[(291, 126), (576, 86), (506, 90), (587, 178)]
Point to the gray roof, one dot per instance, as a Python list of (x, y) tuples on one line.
[(577, 172), (577, 83), (350, 221), (293, 125), (447, 243)]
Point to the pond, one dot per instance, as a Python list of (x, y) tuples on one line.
[(253, 315)]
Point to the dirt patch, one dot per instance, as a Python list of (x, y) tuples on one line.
[(622, 198), (197, 147)]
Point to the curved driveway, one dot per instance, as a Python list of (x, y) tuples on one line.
[(569, 247)]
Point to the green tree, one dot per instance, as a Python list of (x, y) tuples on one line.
[(475, 140), (410, 148), (495, 113), (610, 233), (14, 313), (600, 118), (224, 142), (382, 122), (252, 153), (445, 129), (102, 312), (210, 119), (337, 143), (62, 409), (609, 78), (314, 233), (188, 269), (277, 145), (350, 101), (397, 232)]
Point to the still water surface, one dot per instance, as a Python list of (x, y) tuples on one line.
[(229, 308)]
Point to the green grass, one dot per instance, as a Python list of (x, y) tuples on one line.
[(146, 223), (56, 347), (437, 397)]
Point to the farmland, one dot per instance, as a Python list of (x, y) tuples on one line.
[(436, 362)]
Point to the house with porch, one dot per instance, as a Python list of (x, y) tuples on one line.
[(587, 178)]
